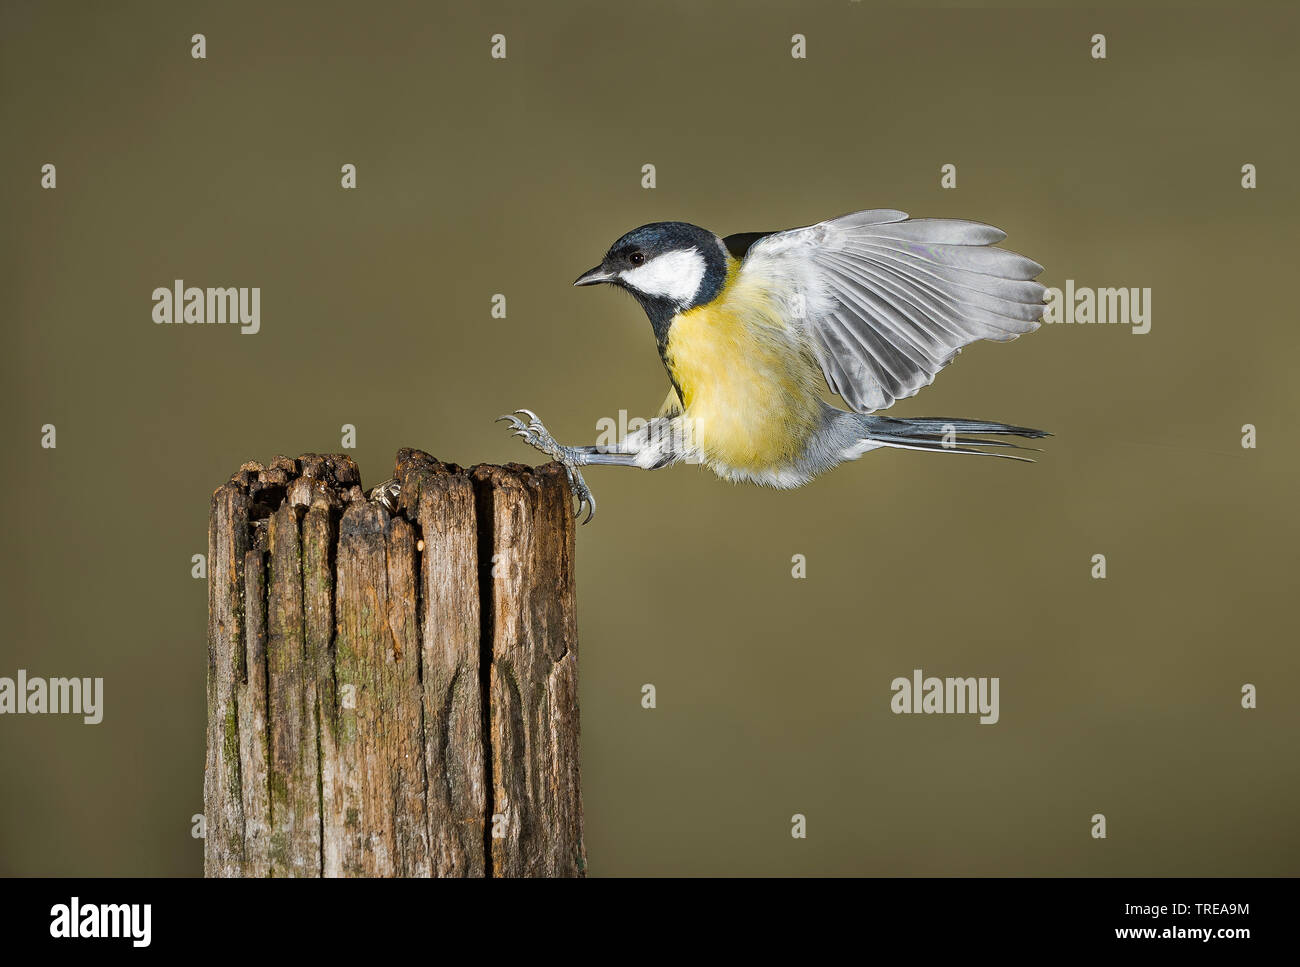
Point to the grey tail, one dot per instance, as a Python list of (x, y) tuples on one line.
[(941, 434)]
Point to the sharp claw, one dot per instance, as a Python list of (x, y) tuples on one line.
[(386, 495), (586, 501), (530, 414)]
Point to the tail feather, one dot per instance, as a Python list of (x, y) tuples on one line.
[(940, 434), (942, 424)]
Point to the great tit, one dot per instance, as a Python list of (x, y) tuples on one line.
[(875, 303)]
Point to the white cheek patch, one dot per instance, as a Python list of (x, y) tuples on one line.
[(673, 275)]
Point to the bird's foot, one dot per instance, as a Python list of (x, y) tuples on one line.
[(535, 434), (387, 493)]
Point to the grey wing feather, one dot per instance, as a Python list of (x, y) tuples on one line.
[(885, 301)]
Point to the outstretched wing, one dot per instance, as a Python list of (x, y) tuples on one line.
[(885, 301)]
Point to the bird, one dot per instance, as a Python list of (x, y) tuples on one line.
[(874, 303)]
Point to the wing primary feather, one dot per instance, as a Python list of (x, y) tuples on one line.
[(891, 300), (952, 231)]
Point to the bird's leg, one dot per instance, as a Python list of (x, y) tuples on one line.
[(657, 444), (535, 434), (649, 448)]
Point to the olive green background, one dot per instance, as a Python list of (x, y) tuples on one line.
[(478, 177)]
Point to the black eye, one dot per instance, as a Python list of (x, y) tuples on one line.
[(636, 258)]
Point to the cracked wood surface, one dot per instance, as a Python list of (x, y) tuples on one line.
[(392, 695)]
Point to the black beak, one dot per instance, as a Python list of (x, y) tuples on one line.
[(594, 276)]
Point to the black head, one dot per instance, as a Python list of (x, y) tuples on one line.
[(668, 266)]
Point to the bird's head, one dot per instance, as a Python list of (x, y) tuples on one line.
[(668, 266)]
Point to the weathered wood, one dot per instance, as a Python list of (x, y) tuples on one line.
[(378, 690), (251, 699), (380, 821), (223, 848), (291, 704), (534, 686), (319, 534), (450, 641)]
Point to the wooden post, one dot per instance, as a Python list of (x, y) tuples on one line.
[(392, 695)]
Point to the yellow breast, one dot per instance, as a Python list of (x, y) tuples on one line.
[(749, 392)]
